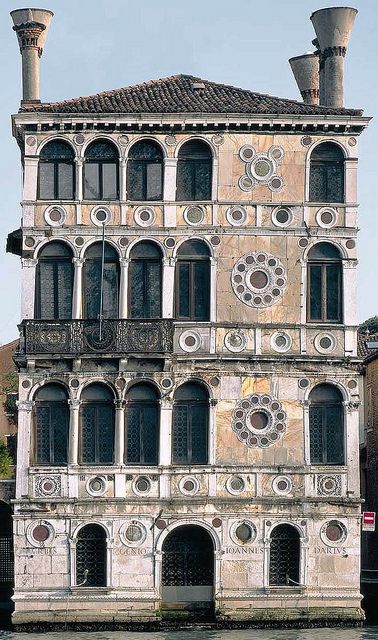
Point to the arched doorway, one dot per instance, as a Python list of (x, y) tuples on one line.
[(284, 566), (6, 564), (188, 569)]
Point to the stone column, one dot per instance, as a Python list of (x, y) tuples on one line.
[(213, 289), (29, 266), (24, 435), (168, 293), (349, 292), (30, 178), (79, 179), (123, 287), (77, 288), (165, 438), (170, 171), (212, 423), (122, 180), (119, 438), (73, 444)]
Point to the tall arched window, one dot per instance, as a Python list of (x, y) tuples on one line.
[(324, 284), (284, 556), (327, 173), (56, 176), (145, 281), (51, 425), (190, 424), (97, 416), (91, 556), (101, 171), (194, 171), (92, 282), (54, 282), (326, 419), (192, 281), (142, 425), (145, 171)]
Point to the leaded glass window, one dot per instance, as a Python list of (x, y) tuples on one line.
[(284, 556), (54, 282), (145, 281), (56, 174), (142, 425), (326, 425), (190, 425), (145, 172), (324, 293), (51, 425), (194, 171), (327, 173), (101, 171), (193, 281), (91, 556), (97, 417), (92, 282)]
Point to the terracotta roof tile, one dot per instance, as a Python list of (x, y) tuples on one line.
[(176, 94), (362, 339)]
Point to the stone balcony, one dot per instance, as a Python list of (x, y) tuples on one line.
[(81, 337)]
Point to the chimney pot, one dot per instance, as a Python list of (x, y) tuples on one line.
[(306, 73)]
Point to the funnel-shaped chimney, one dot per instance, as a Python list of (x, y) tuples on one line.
[(306, 73), (31, 27), (333, 27)]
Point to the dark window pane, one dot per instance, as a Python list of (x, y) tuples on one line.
[(101, 150), (315, 272), (136, 275), (92, 181), (201, 290), (327, 174), (64, 290), (45, 291), (180, 438), (92, 288), (284, 556), (154, 180), (135, 180), (54, 284), (105, 433), (65, 181), (43, 426), (88, 433), (185, 181), (153, 289), (57, 150), (149, 434), (202, 187), (334, 435), (333, 301), (59, 424), (46, 181), (52, 423), (133, 434), (199, 430), (184, 289), (109, 181), (110, 290), (91, 556), (316, 434)]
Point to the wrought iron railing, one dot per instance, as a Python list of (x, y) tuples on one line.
[(83, 336)]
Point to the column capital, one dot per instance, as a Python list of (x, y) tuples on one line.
[(213, 260), (79, 161), (170, 162), (74, 403), (28, 35), (124, 262), (78, 262), (166, 403), (119, 404), (25, 405), (29, 263)]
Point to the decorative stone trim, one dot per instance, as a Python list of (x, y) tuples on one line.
[(235, 485), (96, 486), (324, 343), (236, 215), (144, 216), (282, 216), (330, 530), (190, 341), (189, 486), (259, 420), (282, 485), (194, 214), (101, 215), (243, 532), (280, 342), (133, 533), (55, 216), (326, 217), (235, 341), (258, 279), (40, 533), (328, 485), (261, 168)]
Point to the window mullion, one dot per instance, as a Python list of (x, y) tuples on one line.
[(189, 443)]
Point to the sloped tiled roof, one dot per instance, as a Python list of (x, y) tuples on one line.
[(362, 339), (179, 94)]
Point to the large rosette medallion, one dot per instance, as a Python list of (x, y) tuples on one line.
[(259, 420)]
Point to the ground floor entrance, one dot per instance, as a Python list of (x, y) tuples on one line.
[(6, 564), (188, 569)]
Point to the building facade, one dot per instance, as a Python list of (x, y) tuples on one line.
[(189, 386)]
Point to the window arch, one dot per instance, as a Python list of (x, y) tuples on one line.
[(327, 173), (91, 556), (51, 425), (145, 280), (54, 282), (142, 425), (101, 180), (145, 171), (56, 174), (97, 418), (324, 284), (284, 556), (193, 281), (194, 171), (190, 424), (326, 422), (92, 281)]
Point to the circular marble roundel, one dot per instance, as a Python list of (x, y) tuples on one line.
[(259, 420), (258, 279)]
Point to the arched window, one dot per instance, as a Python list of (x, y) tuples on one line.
[(54, 282), (190, 424), (324, 284), (91, 556), (97, 413), (101, 171), (327, 173), (284, 556), (193, 281), (326, 425), (51, 425), (92, 282), (145, 281), (194, 171), (56, 176), (145, 171), (142, 425)]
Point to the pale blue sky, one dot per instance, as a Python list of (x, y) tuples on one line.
[(96, 45)]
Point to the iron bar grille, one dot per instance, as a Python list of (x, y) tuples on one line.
[(284, 556), (188, 558), (83, 336), (91, 557), (6, 560)]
